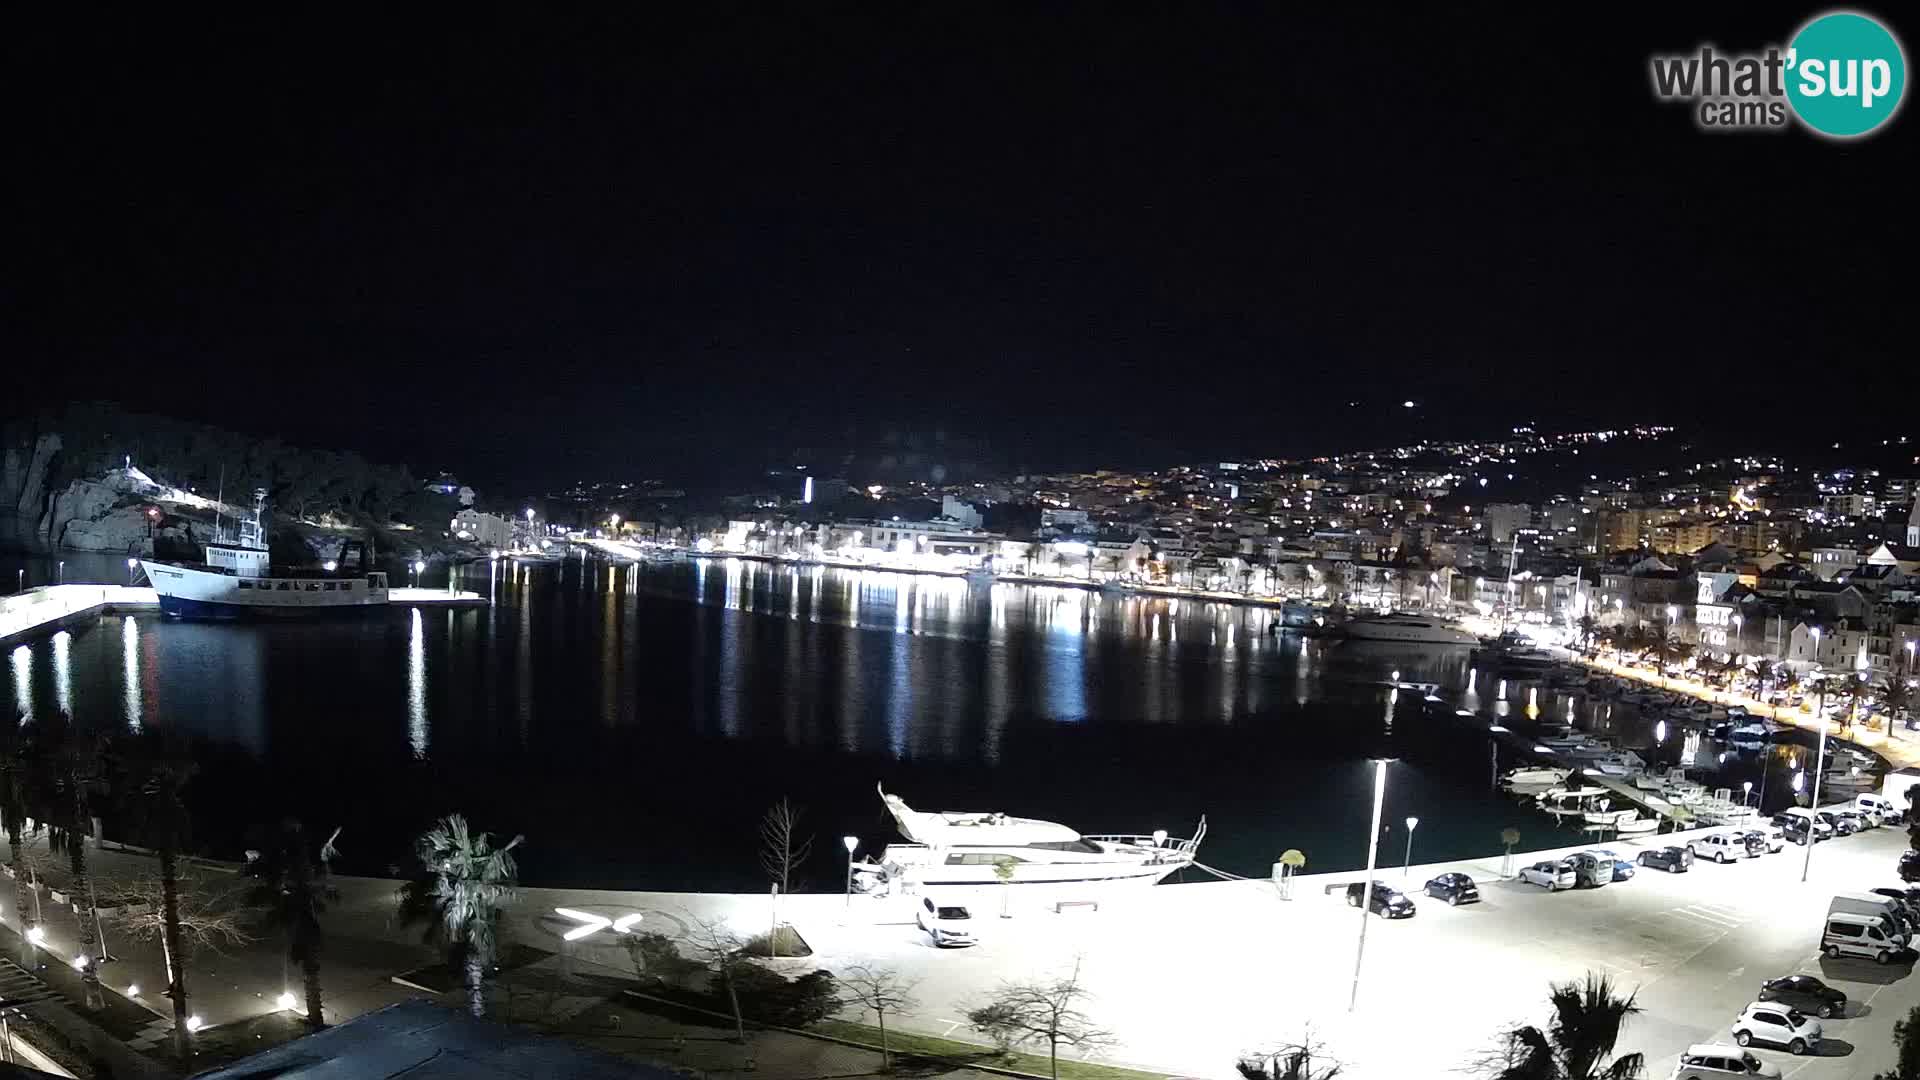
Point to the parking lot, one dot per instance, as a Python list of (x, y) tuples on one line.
[(1187, 976)]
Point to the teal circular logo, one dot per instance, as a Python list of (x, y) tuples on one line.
[(1845, 74)]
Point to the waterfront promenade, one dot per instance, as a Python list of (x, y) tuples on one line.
[(1900, 750), (1189, 975), (46, 608)]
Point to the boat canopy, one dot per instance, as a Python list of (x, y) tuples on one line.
[(944, 829)]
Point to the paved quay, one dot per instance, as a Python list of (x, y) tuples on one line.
[(1902, 749), (46, 608), (1188, 976)]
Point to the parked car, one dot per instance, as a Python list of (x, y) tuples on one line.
[(1764, 839), (1719, 847), (1710, 1061), (1674, 860), (1843, 824), (1766, 1022), (1806, 993), (1455, 889), (1622, 869), (1854, 818), (948, 924), (1910, 865), (1800, 819), (1549, 875), (1909, 906), (1387, 901), (1590, 869)]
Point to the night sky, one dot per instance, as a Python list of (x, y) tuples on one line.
[(536, 250)]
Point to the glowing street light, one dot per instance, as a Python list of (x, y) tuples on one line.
[(418, 565), (1746, 791), (1406, 868), (1366, 893), (850, 842), (37, 936)]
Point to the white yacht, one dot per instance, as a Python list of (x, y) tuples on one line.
[(964, 849), (236, 581), (1405, 628)]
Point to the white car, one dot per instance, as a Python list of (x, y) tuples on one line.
[(1709, 1061), (1773, 1023), (948, 924), (1718, 847), (1770, 837), (1549, 875)]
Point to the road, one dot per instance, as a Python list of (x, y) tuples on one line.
[(1189, 976)]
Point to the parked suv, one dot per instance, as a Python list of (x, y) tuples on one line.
[(1776, 1025), (1719, 847)]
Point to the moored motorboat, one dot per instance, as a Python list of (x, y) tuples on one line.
[(968, 848)]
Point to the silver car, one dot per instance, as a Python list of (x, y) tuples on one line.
[(1550, 875)]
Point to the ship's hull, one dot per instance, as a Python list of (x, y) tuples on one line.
[(1401, 633), (187, 592)]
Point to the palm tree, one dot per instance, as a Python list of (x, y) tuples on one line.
[(466, 882), (291, 887), (16, 770), (1589, 627), (159, 770), (1897, 694), (1580, 1038), (72, 765)]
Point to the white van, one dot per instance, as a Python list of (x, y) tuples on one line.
[(1847, 934), (1821, 829), (1862, 903), (1878, 805), (1719, 847)]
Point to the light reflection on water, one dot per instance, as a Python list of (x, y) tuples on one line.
[(696, 694)]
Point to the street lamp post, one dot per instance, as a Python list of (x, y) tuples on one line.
[(1746, 792), (1366, 894), (418, 565), (851, 842), (133, 565), (1819, 766), (1406, 868)]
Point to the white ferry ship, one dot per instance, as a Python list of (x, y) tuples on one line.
[(236, 581)]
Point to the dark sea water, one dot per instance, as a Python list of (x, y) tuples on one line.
[(635, 721)]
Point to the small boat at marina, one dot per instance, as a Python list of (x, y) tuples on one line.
[(1616, 763), (1513, 653), (1561, 802), (1636, 825), (952, 848), (1610, 818), (1534, 776)]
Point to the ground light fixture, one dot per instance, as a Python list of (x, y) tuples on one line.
[(133, 990), (285, 1000), (195, 1023), (37, 936)]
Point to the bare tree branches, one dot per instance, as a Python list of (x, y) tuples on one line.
[(880, 990), (211, 913), (1305, 1059), (1041, 1012), (783, 847), (716, 946)]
